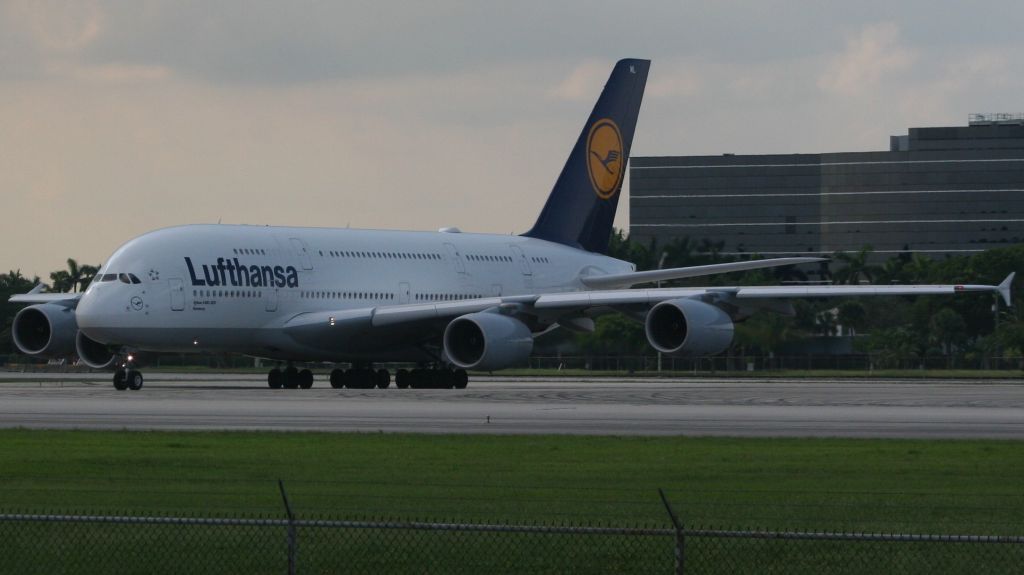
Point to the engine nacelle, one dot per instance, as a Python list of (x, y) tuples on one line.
[(687, 327), (45, 330), (93, 353), (487, 341)]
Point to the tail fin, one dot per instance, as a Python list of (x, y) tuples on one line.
[(581, 206)]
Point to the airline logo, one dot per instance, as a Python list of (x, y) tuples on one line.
[(231, 272), (605, 161)]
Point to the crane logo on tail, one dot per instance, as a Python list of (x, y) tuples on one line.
[(605, 162)]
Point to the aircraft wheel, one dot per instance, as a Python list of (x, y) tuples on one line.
[(305, 379), (418, 378), (448, 378), (461, 379), (275, 379), (120, 380), (359, 378), (337, 378), (134, 380), (383, 379), (402, 379), (291, 378)]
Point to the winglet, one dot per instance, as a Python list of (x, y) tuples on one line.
[(1004, 288)]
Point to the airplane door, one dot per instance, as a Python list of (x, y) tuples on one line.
[(271, 299), (403, 292), (177, 294), (302, 252), (524, 264), (454, 253)]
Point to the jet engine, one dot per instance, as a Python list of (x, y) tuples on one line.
[(487, 341), (688, 327), (45, 330), (93, 353)]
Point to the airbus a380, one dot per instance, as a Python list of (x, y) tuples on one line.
[(447, 301)]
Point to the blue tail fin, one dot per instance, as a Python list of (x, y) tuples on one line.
[(581, 207)]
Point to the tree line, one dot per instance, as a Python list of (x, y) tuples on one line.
[(960, 327), (963, 328)]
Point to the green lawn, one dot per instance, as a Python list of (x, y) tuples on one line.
[(806, 484), (835, 484)]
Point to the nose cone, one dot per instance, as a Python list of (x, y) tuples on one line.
[(87, 312)]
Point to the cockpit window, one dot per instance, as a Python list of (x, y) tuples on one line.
[(123, 278)]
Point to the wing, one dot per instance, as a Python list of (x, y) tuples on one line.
[(542, 311), (613, 298), (37, 295), (635, 278)]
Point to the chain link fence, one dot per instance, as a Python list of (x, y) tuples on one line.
[(38, 543)]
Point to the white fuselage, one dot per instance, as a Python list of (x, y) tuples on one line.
[(232, 288)]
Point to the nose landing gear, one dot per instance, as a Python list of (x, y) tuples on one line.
[(127, 377)]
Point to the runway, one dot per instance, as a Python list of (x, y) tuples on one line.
[(505, 405)]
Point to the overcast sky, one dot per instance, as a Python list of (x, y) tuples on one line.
[(117, 118)]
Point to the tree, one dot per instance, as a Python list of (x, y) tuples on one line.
[(852, 315), (947, 329), (766, 332), (11, 283), (88, 274), (614, 334), (75, 278), (856, 267), (890, 347), (60, 281)]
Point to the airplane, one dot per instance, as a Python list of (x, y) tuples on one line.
[(446, 301)]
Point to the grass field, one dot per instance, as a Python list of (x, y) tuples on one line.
[(820, 484)]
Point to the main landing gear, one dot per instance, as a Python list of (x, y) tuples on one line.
[(360, 378), (290, 378), (365, 377), (127, 377)]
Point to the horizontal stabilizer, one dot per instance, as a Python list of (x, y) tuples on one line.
[(634, 278)]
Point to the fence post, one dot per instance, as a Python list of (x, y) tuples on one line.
[(680, 538), (293, 536)]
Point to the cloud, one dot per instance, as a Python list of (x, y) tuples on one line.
[(869, 57), (54, 26), (583, 82), (392, 114)]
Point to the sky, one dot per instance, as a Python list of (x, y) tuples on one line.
[(120, 117)]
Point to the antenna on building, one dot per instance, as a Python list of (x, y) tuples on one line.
[(995, 118)]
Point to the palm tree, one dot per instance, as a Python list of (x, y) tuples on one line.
[(60, 281), (75, 278), (88, 273), (920, 268), (856, 266)]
